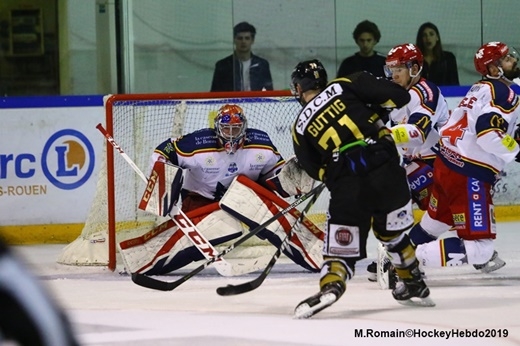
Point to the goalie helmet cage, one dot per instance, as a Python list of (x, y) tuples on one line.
[(140, 122)]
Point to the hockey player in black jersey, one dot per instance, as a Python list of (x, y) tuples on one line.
[(339, 138)]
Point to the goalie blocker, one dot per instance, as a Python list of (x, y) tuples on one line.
[(165, 248)]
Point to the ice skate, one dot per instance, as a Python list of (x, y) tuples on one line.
[(327, 296), (495, 263), (413, 293)]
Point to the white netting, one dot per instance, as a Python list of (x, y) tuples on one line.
[(138, 127)]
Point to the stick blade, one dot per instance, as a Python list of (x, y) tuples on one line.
[(148, 282), (231, 290)]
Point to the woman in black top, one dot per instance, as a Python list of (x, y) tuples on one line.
[(440, 66)]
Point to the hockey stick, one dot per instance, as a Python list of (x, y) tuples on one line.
[(149, 282), (231, 290), (184, 223)]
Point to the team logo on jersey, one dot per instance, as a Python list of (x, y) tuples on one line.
[(343, 236), (260, 157), (232, 168), (210, 161)]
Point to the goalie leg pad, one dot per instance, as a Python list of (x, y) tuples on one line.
[(160, 252), (252, 204)]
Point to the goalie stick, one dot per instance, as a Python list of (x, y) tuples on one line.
[(248, 286), (183, 223), (150, 282)]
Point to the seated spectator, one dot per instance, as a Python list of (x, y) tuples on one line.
[(440, 66), (366, 35), (242, 71)]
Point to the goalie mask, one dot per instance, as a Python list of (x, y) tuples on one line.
[(230, 126), (309, 75), (497, 53)]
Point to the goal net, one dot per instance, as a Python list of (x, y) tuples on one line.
[(138, 123)]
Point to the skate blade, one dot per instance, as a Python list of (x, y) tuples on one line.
[(421, 302), (305, 311), (492, 268)]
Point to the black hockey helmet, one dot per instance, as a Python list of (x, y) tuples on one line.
[(310, 74)]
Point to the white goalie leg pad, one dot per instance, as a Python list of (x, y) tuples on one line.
[(253, 205), (163, 243), (139, 252), (162, 189), (291, 180)]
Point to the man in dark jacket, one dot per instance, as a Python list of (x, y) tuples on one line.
[(242, 71)]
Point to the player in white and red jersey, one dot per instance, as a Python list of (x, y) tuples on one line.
[(212, 159), (476, 143), (414, 127)]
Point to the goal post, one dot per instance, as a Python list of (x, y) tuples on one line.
[(138, 123)]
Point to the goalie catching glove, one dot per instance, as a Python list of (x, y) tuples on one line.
[(291, 180)]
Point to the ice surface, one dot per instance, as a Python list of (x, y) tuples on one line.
[(108, 309)]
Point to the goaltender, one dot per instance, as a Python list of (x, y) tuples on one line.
[(230, 173)]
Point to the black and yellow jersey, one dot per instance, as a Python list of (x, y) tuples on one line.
[(343, 113)]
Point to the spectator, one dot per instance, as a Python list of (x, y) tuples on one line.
[(242, 71), (440, 66), (366, 35)]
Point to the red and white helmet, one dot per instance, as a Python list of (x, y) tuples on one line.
[(403, 54), (489, 53), (230, 126)]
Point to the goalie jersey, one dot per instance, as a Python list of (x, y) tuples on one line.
[(210, 167)]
